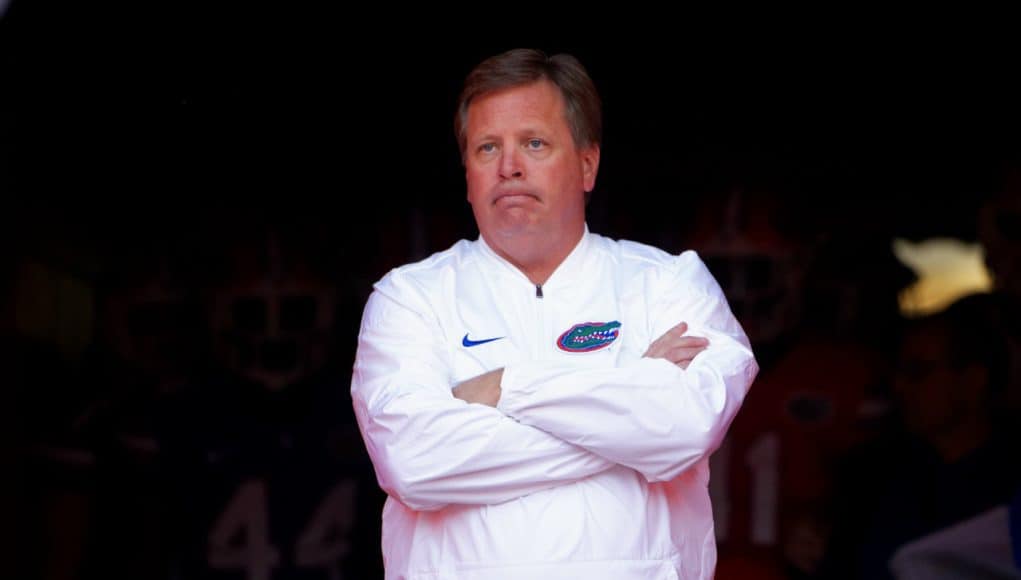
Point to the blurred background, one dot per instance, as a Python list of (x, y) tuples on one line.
[(197, 200)]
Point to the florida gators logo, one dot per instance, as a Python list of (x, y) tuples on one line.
[(589, 336)]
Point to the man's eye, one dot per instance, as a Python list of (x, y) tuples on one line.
[(487, 147), (535, 143)]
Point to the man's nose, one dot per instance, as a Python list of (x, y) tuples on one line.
[(510, 164)]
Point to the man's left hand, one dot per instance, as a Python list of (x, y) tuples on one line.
[(677, 347)]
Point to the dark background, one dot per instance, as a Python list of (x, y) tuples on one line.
[(179, 107)]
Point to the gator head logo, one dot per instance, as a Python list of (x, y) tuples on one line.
[(589, 336)]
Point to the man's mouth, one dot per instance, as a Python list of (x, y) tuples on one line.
[(510, 196)]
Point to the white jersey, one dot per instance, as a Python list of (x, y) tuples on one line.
[(978, 548), (594, 464)]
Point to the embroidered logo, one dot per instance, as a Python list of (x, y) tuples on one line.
[(468, 343), (589, 336)]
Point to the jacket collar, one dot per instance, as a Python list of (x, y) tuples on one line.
[(567, 271)]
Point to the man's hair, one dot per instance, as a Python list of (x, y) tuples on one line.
[(523, 66)]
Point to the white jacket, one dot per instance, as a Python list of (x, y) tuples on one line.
[(594, 464)]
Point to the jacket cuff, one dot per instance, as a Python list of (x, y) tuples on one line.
[(514, 390)]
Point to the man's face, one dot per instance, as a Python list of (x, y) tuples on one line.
[(525, 174)]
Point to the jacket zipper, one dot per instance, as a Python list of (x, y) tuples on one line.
[(540, 324)]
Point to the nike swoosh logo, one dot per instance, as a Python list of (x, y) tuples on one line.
[(470, 343)]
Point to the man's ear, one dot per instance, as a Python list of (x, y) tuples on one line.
[(590, 166)]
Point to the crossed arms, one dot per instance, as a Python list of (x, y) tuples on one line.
[(542, 424)]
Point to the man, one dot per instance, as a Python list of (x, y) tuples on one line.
[(532, 401)]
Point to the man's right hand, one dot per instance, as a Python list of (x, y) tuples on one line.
[(677, 348), (484, 389)]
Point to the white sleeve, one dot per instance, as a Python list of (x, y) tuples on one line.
[(430, 449), (649, 415)]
